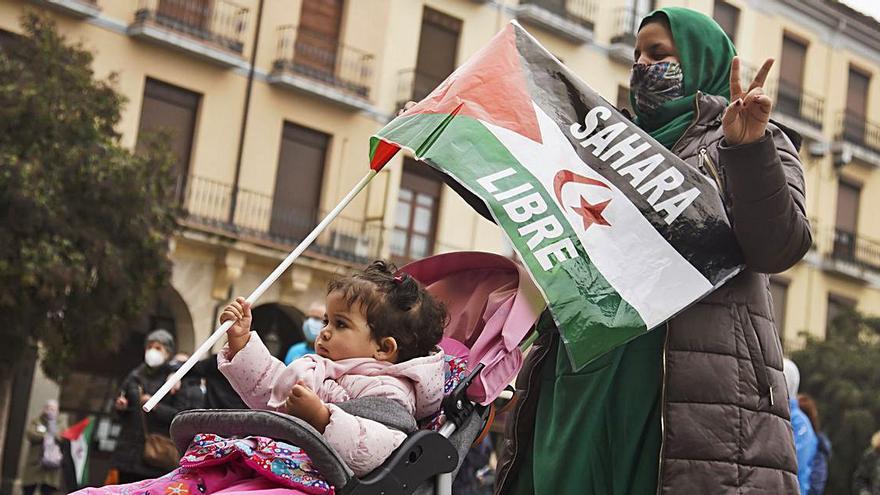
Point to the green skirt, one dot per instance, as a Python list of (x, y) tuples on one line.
[(597, 431)]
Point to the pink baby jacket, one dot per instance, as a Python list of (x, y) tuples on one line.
[(263, 382)]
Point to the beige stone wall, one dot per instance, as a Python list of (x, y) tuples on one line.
[(205, 267)]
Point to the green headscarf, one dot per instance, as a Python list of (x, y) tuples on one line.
[(705, 53)]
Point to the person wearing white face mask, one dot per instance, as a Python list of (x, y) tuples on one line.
[(311, 328), (136, 389)]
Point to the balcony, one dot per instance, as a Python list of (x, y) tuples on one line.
[(859, 135), (623, 42), (77, 8), (209, 29), (309, 62), (848, 254), (799, 104), (207, 203), (569, 19)]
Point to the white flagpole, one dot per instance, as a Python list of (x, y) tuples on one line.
[(279, 270)]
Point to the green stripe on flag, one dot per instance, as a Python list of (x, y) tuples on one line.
[(591, 316)]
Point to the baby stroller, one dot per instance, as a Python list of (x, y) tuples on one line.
[(492, 306)]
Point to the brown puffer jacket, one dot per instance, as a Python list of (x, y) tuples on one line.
[(726, 427)]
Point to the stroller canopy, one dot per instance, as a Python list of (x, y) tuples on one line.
[(492, 304)]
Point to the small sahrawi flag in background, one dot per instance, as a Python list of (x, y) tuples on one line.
[(80, 435), (618, 233)]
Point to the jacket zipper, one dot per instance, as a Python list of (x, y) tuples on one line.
[(662, 411), (666, 337), (704, 159), (693, 122)]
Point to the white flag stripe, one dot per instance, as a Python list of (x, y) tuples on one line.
[(632, 256)]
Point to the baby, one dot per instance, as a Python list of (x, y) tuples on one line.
[(379, 339)]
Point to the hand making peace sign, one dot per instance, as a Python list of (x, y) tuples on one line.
[(746, 118)]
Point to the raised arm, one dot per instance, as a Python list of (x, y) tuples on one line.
[(763, 178)]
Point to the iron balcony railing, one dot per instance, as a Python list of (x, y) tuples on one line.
[(415, 85), (797, 103), (581, 12), (258, 215), (218, 22), (852, 248), (788, 99), (626, 25), (318, 57), (856, 129)]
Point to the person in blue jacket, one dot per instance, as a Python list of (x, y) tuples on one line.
[(805, 440), (311, 327), (819, 474)]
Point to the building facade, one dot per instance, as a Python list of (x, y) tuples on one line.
[(271, 104)]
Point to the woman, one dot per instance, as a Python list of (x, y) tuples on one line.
[(698, 406), (136, 389), (819, 464), (42, 468)]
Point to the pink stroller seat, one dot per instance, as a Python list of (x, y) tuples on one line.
[(492, 305)]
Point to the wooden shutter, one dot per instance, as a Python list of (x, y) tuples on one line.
[(856, 106), (857, 92), (186, 14), (298, 181), (438, 47), (794, 55), (173, 109), (727, 16), (848, 196), (837, 305), (317, 39)]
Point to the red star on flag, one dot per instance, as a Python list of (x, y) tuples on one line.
[(592, 213)]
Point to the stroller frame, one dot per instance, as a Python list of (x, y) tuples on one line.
[(426, 462)]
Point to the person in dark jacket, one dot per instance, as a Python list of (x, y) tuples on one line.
[(699, 405), (819, 465), (189, 393), (219, 394), (136, 389), (866, 479)]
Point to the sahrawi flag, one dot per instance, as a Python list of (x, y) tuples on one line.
[(80, 436), (618, 233)]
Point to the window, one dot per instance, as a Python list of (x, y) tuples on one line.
[(778, 293), (837, 305), (415, 217), (848, 196), (172, 109), (298, 181), (318, 37), (727, 16), (7, 38), (856, 105), (791, 75), (438, 48), (846, 222)]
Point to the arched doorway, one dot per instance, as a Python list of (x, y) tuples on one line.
[(92, 384), (281, 320)]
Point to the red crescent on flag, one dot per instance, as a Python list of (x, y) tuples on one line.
[(591, 213), (563, 177)]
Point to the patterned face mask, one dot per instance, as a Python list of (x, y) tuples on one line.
[(654, 84)]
